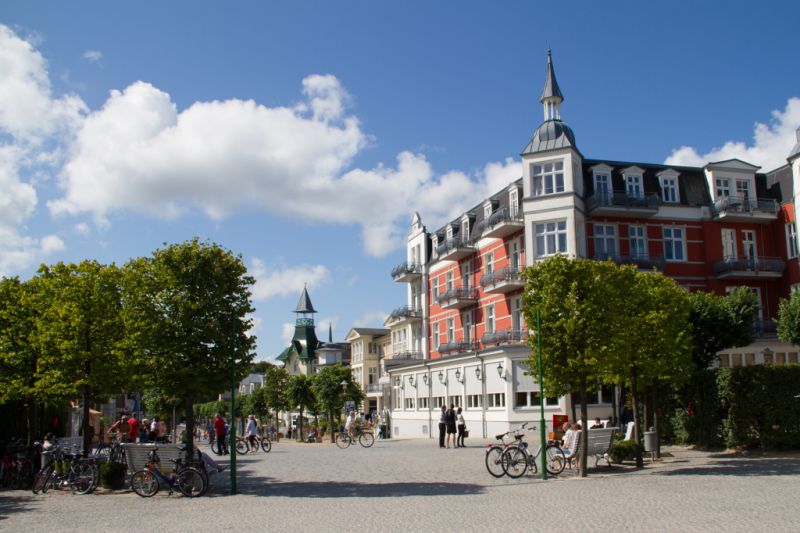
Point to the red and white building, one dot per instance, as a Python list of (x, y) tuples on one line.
[(711, 228)]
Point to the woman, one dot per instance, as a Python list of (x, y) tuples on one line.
[(252, 431), (450, 425), (462, 428)]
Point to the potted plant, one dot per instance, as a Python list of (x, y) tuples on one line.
[(112, 475)]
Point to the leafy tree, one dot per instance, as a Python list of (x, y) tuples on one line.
[(255, 403), (186, 312), (275, 380), (330, 395), (260, 367), (720, 322), (789, 319), (80, 332), (300, 396)]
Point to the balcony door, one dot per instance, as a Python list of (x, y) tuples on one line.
[(602, 188), (749, 247), (728, 244)]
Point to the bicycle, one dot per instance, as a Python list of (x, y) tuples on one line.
[(517, 458), (187, 479), (243, 445), (345, 439), (494, 452), (67, 470)]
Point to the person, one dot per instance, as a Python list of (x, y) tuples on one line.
[(133, 428), (597, 424), (462, 428), (450, 421), (312, 435), (144, 426), (48, 446), (379, 423), (157, 430), (252, 431), (219, 433), (442, 426), (568, 442), (119, 429), (350, 423)]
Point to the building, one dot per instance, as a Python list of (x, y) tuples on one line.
[(368, 347), (711, 228)]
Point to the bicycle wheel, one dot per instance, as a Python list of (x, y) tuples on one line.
[(266, 445), (41, 479), (241, 447), (342, 440), (144, 483), (190, 482), (515, 461), (366, 439), (215, 447), (494, 464), (82, 478), (555, 459)]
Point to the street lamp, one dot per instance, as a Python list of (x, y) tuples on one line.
[(411, 380), (425, 378), (441, 377), (458, 375), (478, 373), (500, 370)]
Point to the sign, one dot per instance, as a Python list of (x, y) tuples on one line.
[(349, 406), (558, 421)]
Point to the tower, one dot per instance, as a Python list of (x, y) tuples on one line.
[(301, 354)]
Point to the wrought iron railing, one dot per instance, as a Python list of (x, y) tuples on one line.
[(509, 336), (405, 312), (406, 268), (409, 354), (745, 204), (452, 244), (621, 199), (456, 347), (461, 293), (504, 274), (501, 216), (750, 264)]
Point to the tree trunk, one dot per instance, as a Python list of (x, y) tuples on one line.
[(614, 420), (572, 402), (637, 437), (657, 420), (330, 425), (189, 410), (299, 436), (584, 433)]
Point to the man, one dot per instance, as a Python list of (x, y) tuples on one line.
[(220, 433), (350, 423), (133, 428), (442, 426)]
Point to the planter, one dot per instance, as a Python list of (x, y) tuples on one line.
[(112, 475)]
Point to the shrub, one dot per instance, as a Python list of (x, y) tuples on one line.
[(112, 475), (623, 451)]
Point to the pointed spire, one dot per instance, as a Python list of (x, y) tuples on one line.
[(330, 332), (304, 305), (551, 94)]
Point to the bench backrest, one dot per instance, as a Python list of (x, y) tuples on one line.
[(578, 444), (600, 440), (136, 455)]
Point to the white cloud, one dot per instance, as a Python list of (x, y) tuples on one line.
[(93, 56), (287, 332), (52, 243), (371, 319), (771, 143), (82, 228), (285, 281), (322, 328)]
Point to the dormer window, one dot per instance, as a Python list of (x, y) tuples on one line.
[(435, 245), (513, 201), (547, 178), (670, 193), (743, 191), (449, 233), (723, 187), (465, 230), (633, 186), (487, 210)]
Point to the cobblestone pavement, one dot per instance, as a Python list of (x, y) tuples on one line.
[(412, 485)]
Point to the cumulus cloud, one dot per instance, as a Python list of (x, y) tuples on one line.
[(287, 332), (93, 56), (323, 326), (372, 319), (771, 143), (285, 281)]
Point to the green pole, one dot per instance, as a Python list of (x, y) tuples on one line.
[(233, 413), (542, 426)]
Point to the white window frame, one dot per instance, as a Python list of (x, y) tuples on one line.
[(605, 234), (488, 267), (474, 401), (465, 231), (466, 325), (489, 321), (670, 241), (634, 187), (728, 236), (547, 178), (495, 400), (435, 330), (487, 210), (451, 329), (466, 274), (791, 240), (517, 320), (513, 202), (634, 237), (670, 193), (449, 281), (552, 232), (749, 244), (722, 187), (514, 255)]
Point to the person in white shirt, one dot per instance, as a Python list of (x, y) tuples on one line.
[(350, 423), (252, 431)]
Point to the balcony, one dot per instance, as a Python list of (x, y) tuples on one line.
[(619, 204), (373, 389), (765, 329), (642, 262), (745, 209), (449, 348), (458, 298), (509, 336), (502, 281), (750, 268), (501, 223), (454, 250), (405, 315), (408, 355), (407, 272)]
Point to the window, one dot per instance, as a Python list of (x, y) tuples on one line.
[(466, 274), (435, 287), (448, 281), (435, 245), (633, 186), (373, 375), (487, 210), (605, 241), (451, 330), (551, 238), (531, 399), (637, 242), (474, 401), (514, 255), (674, 244), (724, 361), (454, 400), (602, 187), (435, 331), (448, 233), (490, 319), (516, 314), (749, 244), (465, 231), (743, 191), (489, 264), (791, 240), (551, 400), (466, 324), (547, 178), (409, 403), (723, 187), (438, 401), (728, 244), (423, 403), (513, 202), (669, 189), (496, 399)]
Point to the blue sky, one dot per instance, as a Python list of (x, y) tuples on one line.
[(303, 135)]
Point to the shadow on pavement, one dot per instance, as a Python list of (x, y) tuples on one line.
[(10, 505), (350, 489), (740, 467)]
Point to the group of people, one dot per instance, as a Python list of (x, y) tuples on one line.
[(450, 421), (128, 429)]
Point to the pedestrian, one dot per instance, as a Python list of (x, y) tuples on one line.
[(219, 433), (133, 428), (450, 421), (252, 431), (143, 427), (350, 423), (462, 429), (442, 426), (380, 426)]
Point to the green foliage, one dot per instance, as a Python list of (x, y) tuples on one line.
[(18, 352), (789, 319), (275, 379), (624, 450), (328, 391), (720, 322), (112, 475), (255, 403), (699, 420), (300, 395)]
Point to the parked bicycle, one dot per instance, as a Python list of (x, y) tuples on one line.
[(66, 470), (364, 438), (494, 452), (16, 466), (113, 450), (187, 479), (517, 458), (243, 445)]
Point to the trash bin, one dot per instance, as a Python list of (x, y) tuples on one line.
[(650, 441)]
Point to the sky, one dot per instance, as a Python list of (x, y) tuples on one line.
[(304, 135)]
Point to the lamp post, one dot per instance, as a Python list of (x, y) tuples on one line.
[(542, 428), (233, 408)]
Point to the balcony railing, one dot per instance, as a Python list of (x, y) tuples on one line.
[(407, 355), (454, 249), (509, 336), (456, 347), (405, 313), (644, 262), (750, 267), (765, 328), (406, 271), (731, 206), (373, 388), (501, 223), (456, 298), (620, 202), (505, 280)]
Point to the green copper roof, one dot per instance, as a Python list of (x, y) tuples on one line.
[(284, 356)]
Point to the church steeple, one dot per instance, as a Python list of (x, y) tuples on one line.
[(305, 308), (551, 94)]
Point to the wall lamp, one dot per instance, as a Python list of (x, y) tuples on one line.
[(425, 378), (500, 370), (478, 373), (458, 376), (441, 377), (411, 381)]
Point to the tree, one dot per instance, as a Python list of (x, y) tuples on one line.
[(789, 319), (721, 322), (300, 396), (186, 312), (330, 395), (275, 379), (255, 403), (80, 332)]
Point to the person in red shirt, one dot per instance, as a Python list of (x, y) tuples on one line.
[(133, 429), (219, 432)]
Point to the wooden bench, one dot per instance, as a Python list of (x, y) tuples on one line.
[(599, 444)]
